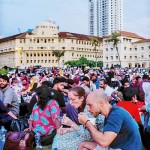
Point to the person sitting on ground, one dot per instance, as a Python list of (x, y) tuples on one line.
[(8, 95), (6, 116), (45, 116), (129, 104), (120, 130)]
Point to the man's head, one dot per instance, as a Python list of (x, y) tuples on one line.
[(97, 102), (138, 79), (86, 81), (4, 80), (125, 83), (103, 83), (59, 84), (94, 77)]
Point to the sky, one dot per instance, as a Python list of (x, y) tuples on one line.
[(70, 15)]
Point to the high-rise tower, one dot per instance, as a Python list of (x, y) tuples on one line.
[(105, 16)]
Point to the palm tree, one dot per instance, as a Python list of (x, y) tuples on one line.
[(58, 54), (96, 43), (114, 38)]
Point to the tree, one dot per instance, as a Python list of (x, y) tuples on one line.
[(114, 38), (58, 54), (96, 43)]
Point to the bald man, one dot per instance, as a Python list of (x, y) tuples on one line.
[(120, 130)]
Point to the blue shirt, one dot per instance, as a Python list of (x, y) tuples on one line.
[(121, 122)]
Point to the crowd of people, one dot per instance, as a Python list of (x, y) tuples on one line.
[(79, 108)]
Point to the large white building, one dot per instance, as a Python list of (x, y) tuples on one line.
[(36, 47), (105, 17), (133, 49)]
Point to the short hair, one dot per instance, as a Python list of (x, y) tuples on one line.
[(70, 81), (138, 77), (104, 80), (59, 80), (128, 93), (85, 78), (4, 77)]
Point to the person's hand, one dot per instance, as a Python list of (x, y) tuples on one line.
[(28, 129), (67, 121), (62, 131), (82, 118)]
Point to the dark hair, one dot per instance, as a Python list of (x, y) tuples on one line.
[(47, 83), (70, 81), (4, 77), (138, 77), (44, 95), (104, 80), (145, 76), (80, 92), (85, 78), (128, 93), (58, 80), (125, 80)]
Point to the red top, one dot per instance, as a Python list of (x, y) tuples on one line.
[(131, 108)]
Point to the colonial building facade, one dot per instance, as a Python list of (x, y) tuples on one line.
[(133, 49), (36, 47)]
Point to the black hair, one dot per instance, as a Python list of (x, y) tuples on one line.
[(58, 80), (44, 95), (47, 83), (128, 93), (4, 77), (104, 80), (85, 78), (70, 81)]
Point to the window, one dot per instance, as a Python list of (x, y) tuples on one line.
[(136, 57), (125, 57), (116, 57), (130, 57), (72, 54), (106, 49), (135, 49), (111, 57), (142, 48), (130, 49), (125, 48), (111, 49), (106, 58)]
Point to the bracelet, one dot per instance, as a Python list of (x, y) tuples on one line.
[(86, 122)]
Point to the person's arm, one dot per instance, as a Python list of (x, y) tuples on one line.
[(103, 139), (12, 115), (57, 122)]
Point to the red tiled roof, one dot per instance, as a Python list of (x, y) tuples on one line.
[(130, 34), (17, 36), (69, 35), (143, 41)]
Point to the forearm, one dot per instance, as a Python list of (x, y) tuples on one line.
[(57, 124), (12, 115), (97, 136), (30, 124)]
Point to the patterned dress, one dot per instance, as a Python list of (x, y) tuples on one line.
[(71, 140), (43, 120)]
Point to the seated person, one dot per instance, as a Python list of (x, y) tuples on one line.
[(45, 116), (129, 104), (6, 116), (69, 138)]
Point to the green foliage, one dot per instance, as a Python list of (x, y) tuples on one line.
[(84, 62), (114, 38), (3, 71)]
